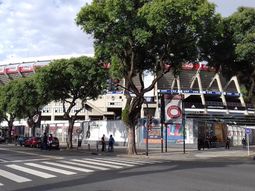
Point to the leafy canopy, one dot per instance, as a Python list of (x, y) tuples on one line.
[(21, 97), (139, 32), (72, 79)]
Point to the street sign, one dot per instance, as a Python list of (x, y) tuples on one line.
[(247, 131)]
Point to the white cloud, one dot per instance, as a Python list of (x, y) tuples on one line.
[(41, 28), (227, 7), (30, 28)]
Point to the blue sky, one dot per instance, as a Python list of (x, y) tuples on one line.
[(35, 28)]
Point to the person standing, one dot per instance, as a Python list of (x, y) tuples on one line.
[(111, 143), (227, 143), (50, 142), (244, 142), (103, 143), (45, 141)]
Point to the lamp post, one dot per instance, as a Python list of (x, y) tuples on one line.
[(162, 119), (183, 124)]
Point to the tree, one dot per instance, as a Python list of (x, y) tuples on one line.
[(71, 81), (144, 35), (28, 101), (7, 107), (240, 30), (21, 99)]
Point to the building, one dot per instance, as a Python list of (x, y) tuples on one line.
[(199, 96)]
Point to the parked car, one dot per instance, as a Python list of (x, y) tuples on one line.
[(33, 142), (21, 140)]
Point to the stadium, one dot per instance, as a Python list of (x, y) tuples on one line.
[(199, 97)]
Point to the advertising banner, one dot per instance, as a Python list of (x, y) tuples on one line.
[(173, 109)]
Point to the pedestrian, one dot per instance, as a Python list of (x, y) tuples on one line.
[(44, 142), (201, 143), (103, 143), (50, 140), (244, 142), (111, 143), (227, 143), (207, 142)]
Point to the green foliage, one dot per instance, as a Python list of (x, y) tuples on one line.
[(139, 32), (125, 114), (143, 35), (21, 98), (236, 50), (116, 69), (71, 81), (75, 78), (242, 26), (185, 30)]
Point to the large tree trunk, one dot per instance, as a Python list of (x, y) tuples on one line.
[(31, 125), (131, 141), (70, 134), (133, 116), (10, 125)]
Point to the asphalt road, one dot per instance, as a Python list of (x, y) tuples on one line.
[(24, 169)]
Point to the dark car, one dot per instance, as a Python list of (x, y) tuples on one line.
[(33, 142), (55, 143)]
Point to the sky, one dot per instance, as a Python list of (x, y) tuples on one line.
[(36, 28)]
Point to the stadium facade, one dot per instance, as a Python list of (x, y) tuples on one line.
[(199, 97)]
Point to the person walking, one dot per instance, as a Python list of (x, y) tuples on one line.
[(103, 143), (111, 143), (44, 142), (244, 142), (227, 143), (50, 140)]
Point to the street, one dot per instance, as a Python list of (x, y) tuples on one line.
[(25, 169)]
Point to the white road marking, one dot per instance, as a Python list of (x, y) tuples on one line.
[(101, 164), (28, 160), (13, 177), (138, 162), (69, 167), (110, 162), (84, 165), (1, 184), (31, 171), (51, 168), (121, 160), (32, 154)]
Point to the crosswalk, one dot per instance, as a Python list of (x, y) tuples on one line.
[(27, 171)]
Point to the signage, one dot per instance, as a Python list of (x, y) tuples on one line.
[(199, 92), (247, 131)]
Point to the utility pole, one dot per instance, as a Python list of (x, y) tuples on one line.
[(183, 124), (162, 120), (149, 121)]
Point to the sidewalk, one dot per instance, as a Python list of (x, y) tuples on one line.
[(234, 153), (177, 153), (213, 153)]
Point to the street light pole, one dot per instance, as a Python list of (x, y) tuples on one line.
[(147, 129), (183, 123), (162, 120)]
